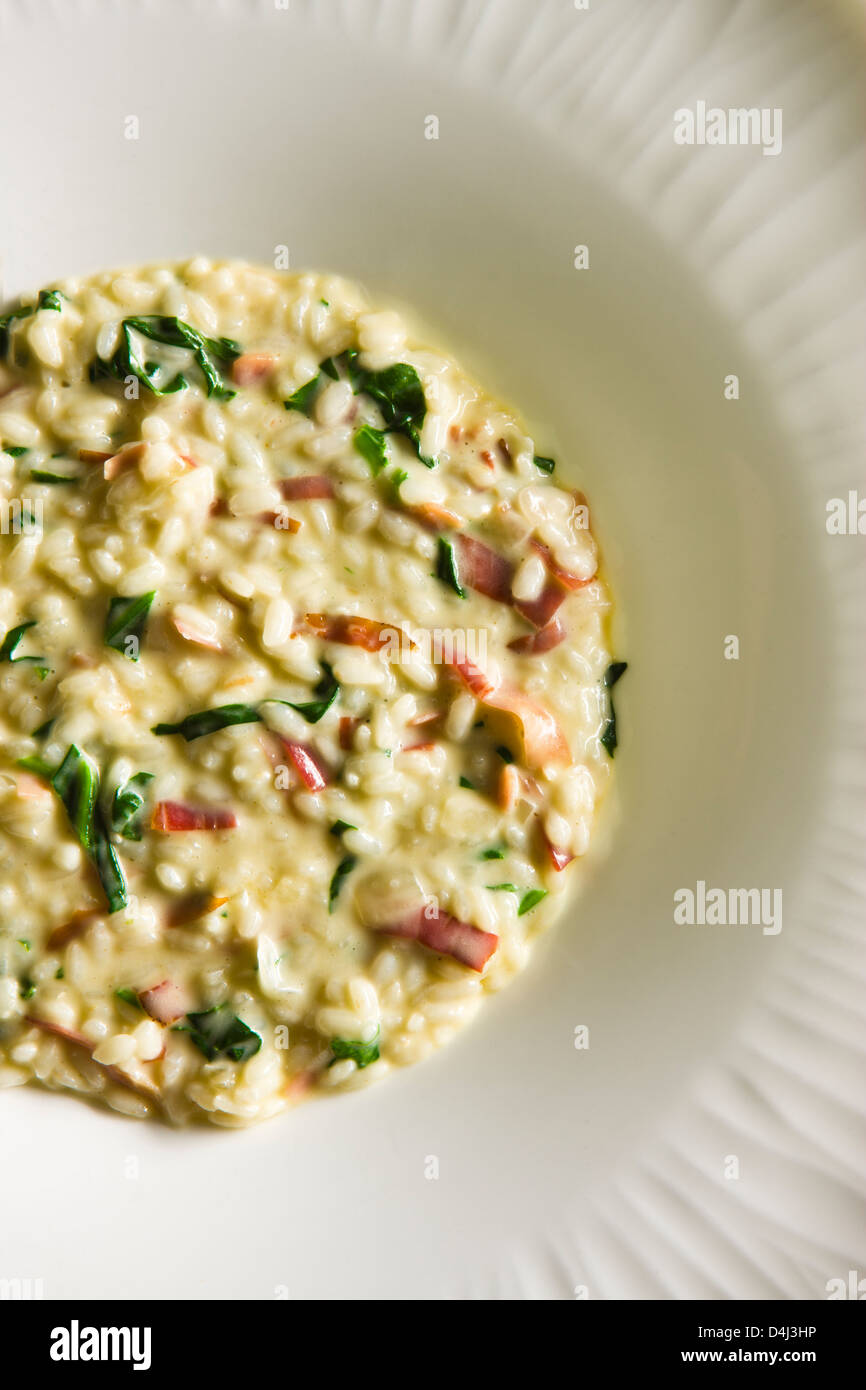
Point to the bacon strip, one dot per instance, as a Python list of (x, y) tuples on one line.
[(308, 486), (544, 639), (543, 740), (310, 766), (144, 1088), (353, 631), (179, 815), (446, 935), (483, 569), (67, 931)]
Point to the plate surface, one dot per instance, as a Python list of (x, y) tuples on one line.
[(606, 1171)]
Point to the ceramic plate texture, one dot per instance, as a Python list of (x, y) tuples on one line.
[(709, 1141)]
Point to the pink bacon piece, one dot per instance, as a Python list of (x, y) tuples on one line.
[(543, 740), (165, 1002), (307, 487), (352, 631), (484, 569), (309, 765), (252, 367), (544, 639), (446, 935), (144, 1088), (180, 815)]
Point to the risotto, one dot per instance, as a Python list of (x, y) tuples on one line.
[(305, 691)]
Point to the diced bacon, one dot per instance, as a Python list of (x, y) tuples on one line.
[(348, 725), (67, 931), (508, 790), (298, 1085), (309, 765), (559, 858), (191, 907), (127, 457), (30, 788), (434, 517), (179, 815), (166, 1002), (308, 486), (144, 1087), (543, 739), (192, 631), (219, 507), (502, 446), (487, 458), (419, 747), (353, 631), (93, 456), (252, 367), (446, 935), (483, 569), (188, 460), (539, 611), (565, 577), (544, 639)]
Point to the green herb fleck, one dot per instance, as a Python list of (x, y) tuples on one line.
[(211, 354), (530, 900), (609, 735), (362, 1053), (370, 444), (128, 996), (345, 867), (546, 465), (303, 398), (128, 804), (220, 1033), (125, 622), (446, 567)]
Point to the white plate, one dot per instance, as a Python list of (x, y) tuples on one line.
[(559, 1169)]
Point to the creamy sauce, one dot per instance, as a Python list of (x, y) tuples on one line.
[(216, 912)]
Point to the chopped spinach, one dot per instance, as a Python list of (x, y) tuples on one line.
[(125, 622), (128, 804), (218, 1032), (530, 900), (340, 827), (362, 1053), (76, 783), (446, 567), (211, 355), (609, 735), (302, 399), (345, 867), (209, 721), (326, 692), (129, 997), (370, 444)]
